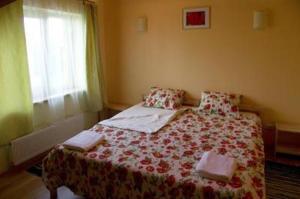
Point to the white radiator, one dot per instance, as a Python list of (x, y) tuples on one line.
[(31, 145)]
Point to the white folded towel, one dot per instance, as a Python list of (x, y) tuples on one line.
[(216, 167), (83, 141)]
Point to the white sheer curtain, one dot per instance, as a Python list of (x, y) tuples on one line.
[(56, 47)]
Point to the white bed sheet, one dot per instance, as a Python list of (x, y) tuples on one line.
[(142, 119)]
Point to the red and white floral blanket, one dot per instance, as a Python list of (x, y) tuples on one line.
[(162, 165)]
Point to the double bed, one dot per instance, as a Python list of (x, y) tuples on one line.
[(132, 164)]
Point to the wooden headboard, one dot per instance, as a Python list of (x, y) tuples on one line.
[(189, 101), (243, 107), (5, 2)]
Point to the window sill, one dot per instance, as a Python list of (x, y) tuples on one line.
[(56, 97)]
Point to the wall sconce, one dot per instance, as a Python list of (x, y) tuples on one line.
[(142, 24), (259, 20)]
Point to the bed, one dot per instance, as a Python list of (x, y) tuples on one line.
[(132, 164)]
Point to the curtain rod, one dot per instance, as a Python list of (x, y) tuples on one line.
[(5, 2), (88, 2)]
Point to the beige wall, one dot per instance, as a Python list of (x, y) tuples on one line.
[(264, 66)]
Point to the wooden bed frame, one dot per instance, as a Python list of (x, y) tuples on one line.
[(188, 101), (243, 107)]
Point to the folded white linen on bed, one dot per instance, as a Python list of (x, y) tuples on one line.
[(216, 167), (83, 141), (141, 119)]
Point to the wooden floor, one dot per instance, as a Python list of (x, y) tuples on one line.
[(22, 185)]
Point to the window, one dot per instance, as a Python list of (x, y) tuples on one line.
[(55, 42)]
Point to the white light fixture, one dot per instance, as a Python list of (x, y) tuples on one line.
[(259, 20), (142, 24)]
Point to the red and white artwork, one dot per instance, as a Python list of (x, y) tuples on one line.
[(196, 18)]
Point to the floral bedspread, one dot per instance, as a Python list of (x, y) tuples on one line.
[(131, 164)]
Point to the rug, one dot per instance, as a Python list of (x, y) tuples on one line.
[(282, 182)]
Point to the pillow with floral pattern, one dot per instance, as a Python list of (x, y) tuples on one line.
[(224, 104), (164, 98)]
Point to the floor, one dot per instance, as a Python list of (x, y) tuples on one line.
[(22, 185)]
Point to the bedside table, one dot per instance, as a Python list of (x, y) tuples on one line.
[(114, 108), (287, 139), (269, 141)]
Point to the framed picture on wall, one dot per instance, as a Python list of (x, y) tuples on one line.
[(194, 18)]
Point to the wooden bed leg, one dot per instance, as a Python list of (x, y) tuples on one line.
[(53, 194)]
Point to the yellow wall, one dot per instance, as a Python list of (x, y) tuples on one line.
[(264, 66)]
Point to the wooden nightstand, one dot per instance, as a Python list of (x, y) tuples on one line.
[(118, 107), (110, 110), (114, 108), (287, 139), (282, 144), (269, 141)]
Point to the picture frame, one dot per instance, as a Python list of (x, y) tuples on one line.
[(194, 18)]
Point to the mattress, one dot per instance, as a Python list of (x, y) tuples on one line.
[(132, 164)]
